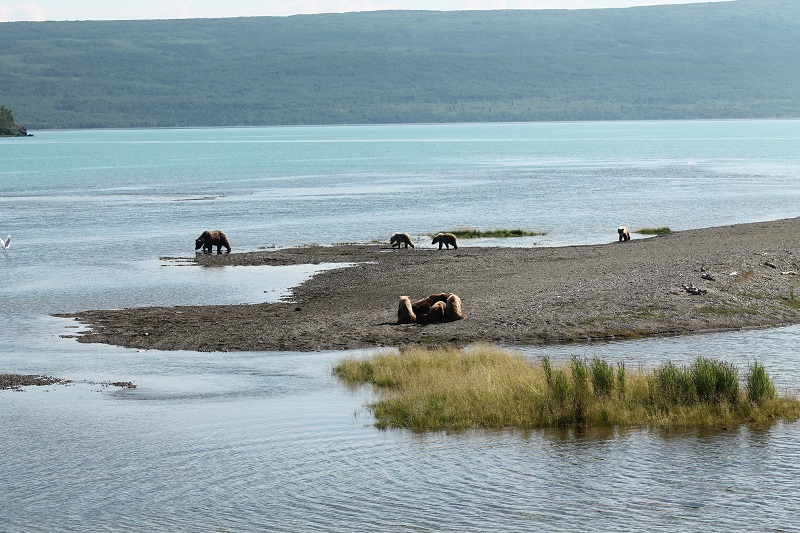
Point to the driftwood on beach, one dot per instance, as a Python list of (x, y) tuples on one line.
[(516, 296)]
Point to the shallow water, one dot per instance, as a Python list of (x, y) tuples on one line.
[(255, 441)]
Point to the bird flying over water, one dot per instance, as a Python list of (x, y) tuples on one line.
[(6, 243)]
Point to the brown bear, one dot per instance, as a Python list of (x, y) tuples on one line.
[(440, 307), (423, 307), (436, 314), (405, 314), (401, 238), (208, 239), (453, 311), (624, 234), (448, 239)]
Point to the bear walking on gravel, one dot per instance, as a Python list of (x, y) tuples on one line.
[(208, 239), (448, 239), (440, 307), (401, 238), (624, 234)]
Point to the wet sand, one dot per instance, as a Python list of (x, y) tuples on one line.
[(512, 296)]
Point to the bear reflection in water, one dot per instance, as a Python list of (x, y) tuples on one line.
[(441, 307)]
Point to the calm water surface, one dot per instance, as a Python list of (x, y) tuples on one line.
[(270, 441)]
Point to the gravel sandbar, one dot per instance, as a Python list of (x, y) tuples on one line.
[(745, 274)]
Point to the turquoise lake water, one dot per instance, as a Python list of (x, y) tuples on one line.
[(270, 441)]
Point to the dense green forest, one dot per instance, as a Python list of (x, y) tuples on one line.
[(738, 59), (8, 126)]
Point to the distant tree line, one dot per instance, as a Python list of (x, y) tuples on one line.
[(710, 60)]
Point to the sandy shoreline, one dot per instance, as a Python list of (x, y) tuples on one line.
[(513, 296)]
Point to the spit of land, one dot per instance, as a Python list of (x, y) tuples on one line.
[(695, 281)]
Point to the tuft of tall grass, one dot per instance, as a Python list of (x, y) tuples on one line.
[(473, 233), (621, 379), (671, 386), (715, 380), (547, 366), (602, 378), (758, 384), (653, 231), (705, 381), (486, 387)]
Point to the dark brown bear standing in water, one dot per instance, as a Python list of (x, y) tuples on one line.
[(208, 239), (624, 234), (448, 239), (401, 238)]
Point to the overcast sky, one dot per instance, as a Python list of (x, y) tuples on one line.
[(15, 10)]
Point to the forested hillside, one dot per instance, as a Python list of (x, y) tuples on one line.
[(8, 126), (716, 60)]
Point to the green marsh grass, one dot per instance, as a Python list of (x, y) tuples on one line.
[(472, 233), (602, 378), (486, 387), (653, 231), (759, 386)]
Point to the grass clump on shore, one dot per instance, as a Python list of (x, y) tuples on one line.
[(485, 387), (653, 231), (472, 233)]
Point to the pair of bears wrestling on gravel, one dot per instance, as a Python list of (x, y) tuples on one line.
[(447, 239), (442, 307)]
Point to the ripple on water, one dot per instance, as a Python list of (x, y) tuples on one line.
[(273, 441)]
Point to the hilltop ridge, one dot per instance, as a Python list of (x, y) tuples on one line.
[(692, 61)]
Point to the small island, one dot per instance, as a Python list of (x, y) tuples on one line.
[(451, 389), (9, 127)]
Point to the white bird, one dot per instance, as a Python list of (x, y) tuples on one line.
[(6, 243)]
